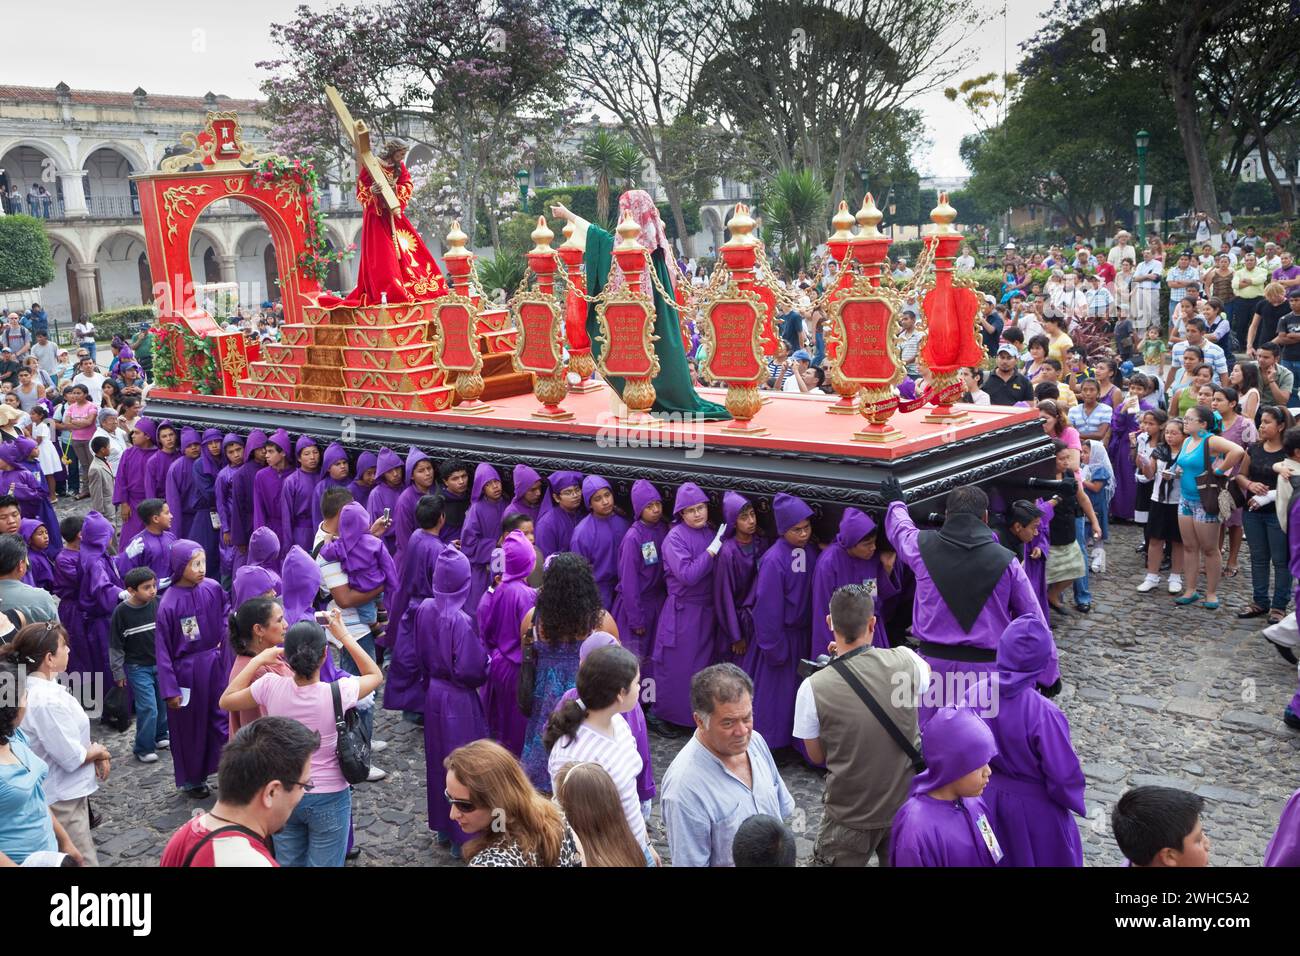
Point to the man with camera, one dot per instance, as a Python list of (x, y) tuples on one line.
[(857, 713)]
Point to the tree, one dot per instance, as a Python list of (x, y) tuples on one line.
[(983, 98), (25, 258), (600, 153), (794, 209), (628, 164)]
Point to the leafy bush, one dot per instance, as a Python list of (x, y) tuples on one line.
[(503, 271), (26, 261), (123, 322)]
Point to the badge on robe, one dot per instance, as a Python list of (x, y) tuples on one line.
[(649, 554), (990, 838), (190, 628), (216, 520)]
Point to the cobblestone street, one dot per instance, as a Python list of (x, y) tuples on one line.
[(1155, 694)]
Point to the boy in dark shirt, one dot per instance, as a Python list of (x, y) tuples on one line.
[(131, 654)]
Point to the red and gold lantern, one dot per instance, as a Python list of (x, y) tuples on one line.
[(455, 321), (950, 310), (627, 319), (540, 324)]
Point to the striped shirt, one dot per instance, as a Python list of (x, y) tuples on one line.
[(618, 755)]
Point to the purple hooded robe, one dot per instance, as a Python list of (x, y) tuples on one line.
[(241, 494), (455, 666), (297, 490), (782, 624), (97, 596), (553, 531), (1284, 848), (1122, 424), (334, 454), (151, 550), (478, 537), (525, 477), (641, 590), (598, 540), (930, 832), (359, 488), (225, 500), (190, 636), (31, 492), (250, 582), (203, 503), (67, 588), (40, 563), (501, 614), (836, 568), (160, 462), (404, 688), (686, 635), (383, 497), (264, 550), (302, 584), (131, 485), (733, 586), (268, 495), (409, 499), (363, 556), (180, 483)]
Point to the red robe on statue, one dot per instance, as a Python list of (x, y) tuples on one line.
[(394, 260)]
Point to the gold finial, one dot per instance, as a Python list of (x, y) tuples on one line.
[(868, 218), (628, 230), (741, 226), (843, 223), (943, 215), (541, 237), (456, 241), (567, 232)]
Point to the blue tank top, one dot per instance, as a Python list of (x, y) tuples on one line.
[(1191, 459)]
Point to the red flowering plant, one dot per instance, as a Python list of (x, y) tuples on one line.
[(295, 185)]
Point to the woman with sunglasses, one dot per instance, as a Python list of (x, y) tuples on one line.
[(509, 822), (316, 833)]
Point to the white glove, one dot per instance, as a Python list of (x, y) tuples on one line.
[(716, 546), (123, 594)]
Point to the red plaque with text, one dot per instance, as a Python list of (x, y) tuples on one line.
[(456, 350), (627, 351), (864, 333), (732, 332), (538, 350)]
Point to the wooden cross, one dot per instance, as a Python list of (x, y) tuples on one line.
[(358, 133)]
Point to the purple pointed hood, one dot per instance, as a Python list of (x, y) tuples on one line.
[(302, 444), (252, 581), (10, 454), (264, 548), (451, 576), (189, 436), (907, 389), (595, 641), (413, 457), (183, 552), (560, 480), (482, 475), (281, 439), (643, 495), (230, 439), (1023, 653), (854, 526), (789, 511), (301, 576), (955, 742), (159, 430), (256, 439), (211, 463), (148, 426), (367, 459), (333, 454), (96, 533), (386, 462), (27, 527), (733, 503), (25, 446), (592, 484), (520, 557), (688, 495), (525, 476)]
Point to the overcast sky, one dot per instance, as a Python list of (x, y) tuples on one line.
[(167, 48)]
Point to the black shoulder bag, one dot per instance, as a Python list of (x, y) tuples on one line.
[(353, 748), (527, 672), (235, 827), (905, 745)]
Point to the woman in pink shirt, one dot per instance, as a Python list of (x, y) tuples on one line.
[(1058, 426), (81, 418), (317, 831), (257, 626)]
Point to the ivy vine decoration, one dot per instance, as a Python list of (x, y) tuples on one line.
[(296, 180), (195, 367)]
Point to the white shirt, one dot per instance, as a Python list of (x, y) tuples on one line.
[(85, 331), (617, 754), (59, 733), (965, 263), (806, 724), (332, 575), (1029, 324), (94, 383), (115, 445), (1118, 254)]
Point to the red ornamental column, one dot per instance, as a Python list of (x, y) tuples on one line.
[(455, 323), (627, 319), (458, 260), (540, 324), (575, 316), (950, 311)]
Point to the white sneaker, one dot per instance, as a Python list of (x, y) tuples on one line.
[(376, 774), (378, 746), (1149, 583), (147, 758), (1099, 561), (1175, 583), (163, 744)]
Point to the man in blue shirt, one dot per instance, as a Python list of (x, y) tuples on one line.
[(35, 320), (724, 775)]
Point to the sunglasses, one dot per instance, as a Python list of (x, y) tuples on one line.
[(307, 785), (464, 806)]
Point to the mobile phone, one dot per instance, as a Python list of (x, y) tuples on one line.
[(388, 515), (323, 618)]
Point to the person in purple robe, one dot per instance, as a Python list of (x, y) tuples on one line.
[(1027, 537), (301, 583), (1124, 421), (268, 492), (553, 531), (455, 666), (334, 470), (264, 550), (482, 530), (168, 439), (782, 619), (1284, 847), (153, 545), (365, 560), (252, 582), (67, 588), (733, 581), (30, 491), (686, 635), (968, 590), (365, 479), (297, 490), (501, 615), (98, 595), (852, 558), (383, 497), (43, 508), (241, 492), (202, 503), (944, 822), (232, 454), (180, 481), (641, 590), (531, 497), (190, 633), (420, 476), (130, 486), (599, 536), (453, 477), (40, 564), (404, 687), (1037, 781)]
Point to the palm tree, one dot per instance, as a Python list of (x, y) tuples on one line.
[(795, 207), (600, 153), (628, 164)]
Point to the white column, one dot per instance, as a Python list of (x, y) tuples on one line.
[(228, 264), (86, 289), (74, 192)]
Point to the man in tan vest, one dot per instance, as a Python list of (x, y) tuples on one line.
[(871, 750)]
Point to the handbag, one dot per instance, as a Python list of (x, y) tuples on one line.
[(353, 748), (527, 673), (1209, 486), (117, 709)]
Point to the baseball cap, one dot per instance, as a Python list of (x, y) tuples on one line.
[(1293, 294), (801, 356), (1006, 348), (989, 298)]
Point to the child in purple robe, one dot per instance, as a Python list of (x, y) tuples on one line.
[(190, 633), (599, 536), (67, 588), (1027, 537), (365, 479), (1124, 421), (180, 480), (268, 492), (153, 545), (43, 508), (264, 550), (852, 558), (97, 596), (364, 558), (333, 474), (297, 492), (232, 453), (453, 476), (131, 486), (733, 581), (641, 590), (686, 635), (782, 620), (301, 588), (241, 495), (501, 614), (1037, 782), (1284, 848), (944, 822), (252, 582), (455, 666), (420, 476), (383, 497), (482, 530), (405, 685), (530, 497), (205, 525), (40, 567), (26, 487), (554, 530), (168, 439)]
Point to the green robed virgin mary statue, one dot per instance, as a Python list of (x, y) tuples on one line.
[(673, 390)]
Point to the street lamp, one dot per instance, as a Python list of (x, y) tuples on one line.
[(522, 178), (893, 210), (1143, 140)]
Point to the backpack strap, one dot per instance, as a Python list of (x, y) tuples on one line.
[(841, 667)]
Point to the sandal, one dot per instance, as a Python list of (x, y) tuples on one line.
[(1253, 610), (1230, 572), (1276, 617)]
